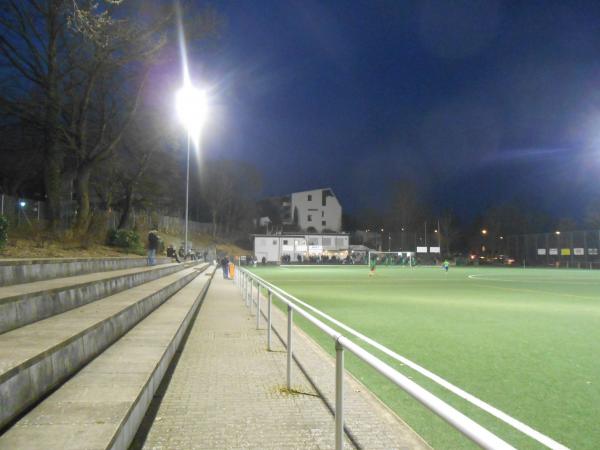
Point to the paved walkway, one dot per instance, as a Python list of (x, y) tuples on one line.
[(226, 391)]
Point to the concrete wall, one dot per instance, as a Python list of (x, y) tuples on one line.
[(20, 310), (23, 385), (16, 271), (266, 247)]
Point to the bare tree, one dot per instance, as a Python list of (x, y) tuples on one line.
[(449, 231), (592, 215), (32, 46), (229, 187), (407, 209), (77, 73)]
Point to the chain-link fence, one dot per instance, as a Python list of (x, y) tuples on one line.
[(577, 249), (22, 211)]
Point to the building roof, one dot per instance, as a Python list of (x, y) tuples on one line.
[(300, 234), (359, 248), (316, 189)]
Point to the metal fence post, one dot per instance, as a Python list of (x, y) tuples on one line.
[(249, 298), (269, 321), (339, 396), (258, 308), (250, 287), (289, 346)]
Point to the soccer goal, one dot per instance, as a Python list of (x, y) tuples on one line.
[(393, 258)]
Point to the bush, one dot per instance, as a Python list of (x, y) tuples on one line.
[(3, 231), (125, 239)]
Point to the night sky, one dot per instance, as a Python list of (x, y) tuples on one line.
[(478, 102)]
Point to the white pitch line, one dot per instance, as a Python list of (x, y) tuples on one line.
[(523, 428)]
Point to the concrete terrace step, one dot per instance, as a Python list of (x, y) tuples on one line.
[(22, 304), (102, 406), (22, 270), (36, 358)]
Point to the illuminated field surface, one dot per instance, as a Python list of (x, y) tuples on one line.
[(527, 341)]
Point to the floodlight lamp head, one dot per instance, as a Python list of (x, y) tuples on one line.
[(192, 109)]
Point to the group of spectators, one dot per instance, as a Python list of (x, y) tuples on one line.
[(154, 244)]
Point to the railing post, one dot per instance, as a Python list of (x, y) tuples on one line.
[(249, 298), (258, 307), (339, 396), (269, 321), (289, 346)]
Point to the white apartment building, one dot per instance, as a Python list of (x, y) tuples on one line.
[(317, 208)]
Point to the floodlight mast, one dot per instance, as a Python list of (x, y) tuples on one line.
[(192, 108)]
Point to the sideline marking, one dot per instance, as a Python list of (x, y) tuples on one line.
[(484, 277), (530, 291), (522, 427)]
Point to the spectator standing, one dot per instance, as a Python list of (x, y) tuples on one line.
[(225, 267), (153, 243)]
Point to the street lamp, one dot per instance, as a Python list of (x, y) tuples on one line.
[(484, 231), (192, 109)]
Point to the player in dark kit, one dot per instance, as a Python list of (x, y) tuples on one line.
[(372, 265)]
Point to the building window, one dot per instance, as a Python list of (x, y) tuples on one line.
[(285, 242), (309, 218), (323, 222), (324, 194), (274, 242), (309, 197), (322, 213)]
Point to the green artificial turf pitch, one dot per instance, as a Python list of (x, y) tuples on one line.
[(527, 341)]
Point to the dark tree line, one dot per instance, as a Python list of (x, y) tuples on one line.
[(409, 210), (73, 79)]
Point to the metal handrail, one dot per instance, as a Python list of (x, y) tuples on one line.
[(472, 430), (501, 415)]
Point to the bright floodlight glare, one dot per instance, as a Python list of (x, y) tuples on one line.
[(192, 109), (484, 231)]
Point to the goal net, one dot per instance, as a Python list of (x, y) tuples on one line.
[(392, 258)]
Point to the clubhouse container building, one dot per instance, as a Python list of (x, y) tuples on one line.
[(299, 247)]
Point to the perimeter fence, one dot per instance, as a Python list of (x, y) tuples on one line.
[(572, 249), (23, 211)]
